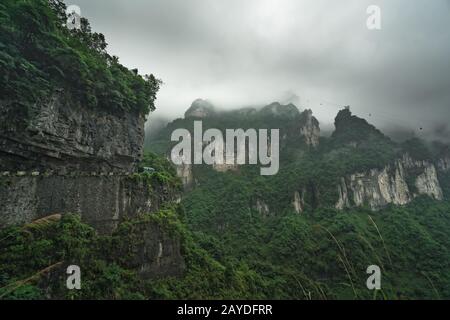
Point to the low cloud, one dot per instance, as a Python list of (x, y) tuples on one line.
[(317, 53)]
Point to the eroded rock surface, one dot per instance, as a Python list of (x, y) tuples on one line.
[(62, 135), (395, 184)]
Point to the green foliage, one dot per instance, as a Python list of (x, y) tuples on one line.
[(106, 262), (40, 55), (164, 174), (350, 128), (206, 277), (417, 149), (322, 253), (25, 254)]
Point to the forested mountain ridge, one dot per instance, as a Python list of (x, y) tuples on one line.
[(336, 206), (357, 166)]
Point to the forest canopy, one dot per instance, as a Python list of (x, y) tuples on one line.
[(39, 55)]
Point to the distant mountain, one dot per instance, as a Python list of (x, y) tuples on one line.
[(200, 109), (356, 190), (363, 166), (351, 129)]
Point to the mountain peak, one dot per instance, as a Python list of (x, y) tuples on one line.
[(352, 129), (345, 116), (278, 110), (309, 128), (200, 109)]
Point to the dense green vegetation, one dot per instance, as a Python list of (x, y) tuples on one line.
[(241, 255), (355, 146), (321, 253), (39, 55), (33, 259), (164, 173)]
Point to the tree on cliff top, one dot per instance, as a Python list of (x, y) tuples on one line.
[(39, 54)]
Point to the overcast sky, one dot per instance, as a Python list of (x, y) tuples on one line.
[(318, 54)]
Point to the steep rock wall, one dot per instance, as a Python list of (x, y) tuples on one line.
[(61, 135), (309, 129), (65, 158), (395, 184), (299, 201), (102, 201)]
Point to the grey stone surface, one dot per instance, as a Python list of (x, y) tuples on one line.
[(101, 201), (67, 158), (310, 129), (299, 201), (378, 188), (65, 136)]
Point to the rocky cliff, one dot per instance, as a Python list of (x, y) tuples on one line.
[(390, 181), (103, 201), (397, 184), (60, 135), (310, 129), (294, 127), (299, 201), (66, 158)]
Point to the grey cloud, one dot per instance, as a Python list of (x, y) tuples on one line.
[(250, 52)]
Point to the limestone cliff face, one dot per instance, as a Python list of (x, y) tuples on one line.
[(299, 201), (262, 207), (66, 158), (63, 136), (309, 129), (102, 201), (397, 184)]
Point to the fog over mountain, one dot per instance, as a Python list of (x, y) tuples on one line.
[(317, 54)]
